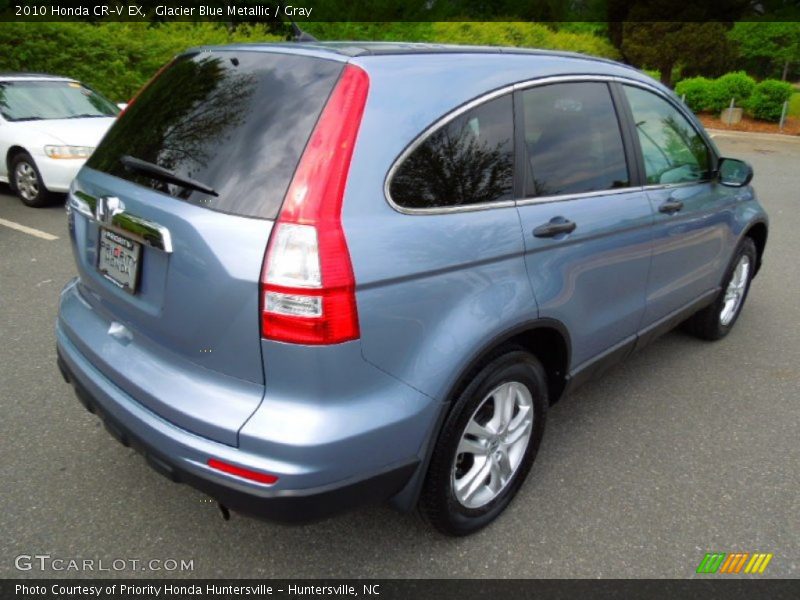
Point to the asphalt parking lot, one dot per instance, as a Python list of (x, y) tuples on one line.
[(687, 448)]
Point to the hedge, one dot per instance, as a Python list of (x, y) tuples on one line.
[(532, 35), (762, 101), (114, 58), (489, 33), (767, 99), (117, 58), (696, 91), (737, 86)]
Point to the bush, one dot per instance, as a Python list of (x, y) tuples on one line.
[(654, 73), (766, 101), (737, 85), (531, 35), (117, 58), (114, 58), (697, 91)]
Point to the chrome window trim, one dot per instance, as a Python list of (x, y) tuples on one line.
[(669, 186), (524, 85), (565, 197), (422, 137)]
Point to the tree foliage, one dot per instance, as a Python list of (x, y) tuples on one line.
[(769, 48), (697, 47)]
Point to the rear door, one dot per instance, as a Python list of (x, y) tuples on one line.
[(170, 221), (691, 224), (587, 228)]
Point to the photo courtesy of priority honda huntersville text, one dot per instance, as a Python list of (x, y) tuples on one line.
[(317, 275)]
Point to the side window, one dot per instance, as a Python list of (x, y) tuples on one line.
[(467, 161), (572, 139), (672, 149)]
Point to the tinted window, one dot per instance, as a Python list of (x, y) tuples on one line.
[(573, 140), (236, 122), (468, 161), (42, 100), (673, 151)]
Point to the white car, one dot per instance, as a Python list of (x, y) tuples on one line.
[(49, 126)]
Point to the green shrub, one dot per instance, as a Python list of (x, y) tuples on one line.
[(766, 101), (696, 90), (531, 35), (114, 58), (737, 85), (794, 105), (654, 73), (488, 33)]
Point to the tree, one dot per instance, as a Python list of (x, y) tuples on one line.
[(663, 34), (771, 46), (700, 48)]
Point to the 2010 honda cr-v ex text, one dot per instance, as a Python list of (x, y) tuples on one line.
[(316, 275)]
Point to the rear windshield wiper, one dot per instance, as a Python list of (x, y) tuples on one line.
[(147, 168)]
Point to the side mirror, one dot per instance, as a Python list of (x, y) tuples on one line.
[(733, 172)]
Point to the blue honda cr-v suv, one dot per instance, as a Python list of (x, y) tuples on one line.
[(315, 275)]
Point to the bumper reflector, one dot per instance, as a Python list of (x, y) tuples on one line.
[(241, 472)]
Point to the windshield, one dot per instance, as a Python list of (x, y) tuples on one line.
[(39, 100)]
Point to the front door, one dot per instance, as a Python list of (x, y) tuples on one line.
[(690, 235), (586, 226)]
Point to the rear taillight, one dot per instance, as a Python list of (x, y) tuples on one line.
[(307, 283)]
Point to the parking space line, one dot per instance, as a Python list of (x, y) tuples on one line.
[(29, 230)]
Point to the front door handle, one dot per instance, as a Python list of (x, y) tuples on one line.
[(555, 227), (671, 206)]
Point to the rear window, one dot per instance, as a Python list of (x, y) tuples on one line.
[(236, 122)]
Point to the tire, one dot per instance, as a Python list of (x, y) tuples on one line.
[(716, 320), (448, 501), (27, 182)]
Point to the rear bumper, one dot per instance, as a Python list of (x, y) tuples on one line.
[(133, 430)]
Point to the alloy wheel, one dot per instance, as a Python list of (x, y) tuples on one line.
[(493, 445), (734, 294), (26, 180)]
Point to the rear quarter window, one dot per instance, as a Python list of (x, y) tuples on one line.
[(467, 161), (235, 121)]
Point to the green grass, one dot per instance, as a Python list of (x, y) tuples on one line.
[(794, 105)]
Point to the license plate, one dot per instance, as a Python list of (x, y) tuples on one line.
[(119, 260)]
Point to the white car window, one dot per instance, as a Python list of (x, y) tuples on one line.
[(37, 100)]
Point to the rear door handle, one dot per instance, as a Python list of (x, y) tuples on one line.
[(555, 227), (671, 206)]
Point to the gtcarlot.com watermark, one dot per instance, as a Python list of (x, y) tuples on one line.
[(47, 562)]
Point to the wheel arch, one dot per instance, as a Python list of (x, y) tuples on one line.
[(547, 339), (13, 151), (758, 232)]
